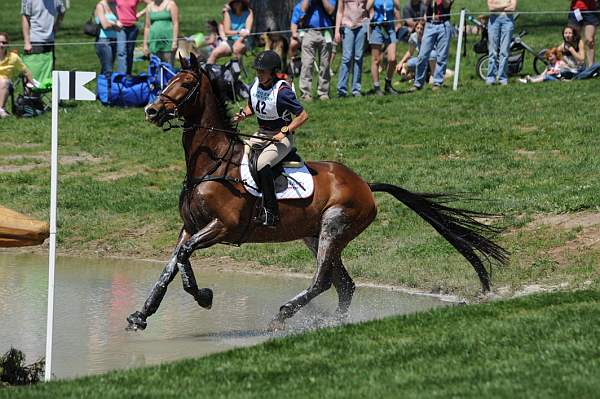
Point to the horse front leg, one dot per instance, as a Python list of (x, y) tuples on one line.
[(137, 320), (210, 235)]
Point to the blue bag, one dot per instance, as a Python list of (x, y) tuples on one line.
[(126, 91)]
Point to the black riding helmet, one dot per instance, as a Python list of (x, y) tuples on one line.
[(268, 60)]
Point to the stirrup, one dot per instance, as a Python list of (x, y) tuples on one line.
[(267, 218)]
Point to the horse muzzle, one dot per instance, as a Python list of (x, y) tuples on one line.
[(158, 115)]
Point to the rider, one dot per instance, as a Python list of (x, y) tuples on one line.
[(274, 103)]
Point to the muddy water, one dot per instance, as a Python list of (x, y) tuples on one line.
[(93, 298)]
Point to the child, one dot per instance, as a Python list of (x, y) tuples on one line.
[(553, 69)]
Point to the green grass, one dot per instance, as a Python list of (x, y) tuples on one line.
[(524, 149), (542, 346)]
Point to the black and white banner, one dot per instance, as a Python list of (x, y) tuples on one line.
[(72, 85)]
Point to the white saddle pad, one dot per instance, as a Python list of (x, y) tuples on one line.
[(300, 182)]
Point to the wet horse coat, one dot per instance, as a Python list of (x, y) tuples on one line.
[(215, 207)]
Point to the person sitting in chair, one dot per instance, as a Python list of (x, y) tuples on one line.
[(10, 67), (274, 103)]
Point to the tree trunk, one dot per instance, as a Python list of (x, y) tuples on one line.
[(273, 15)]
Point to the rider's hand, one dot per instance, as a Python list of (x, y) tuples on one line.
[(279, 136), (338, 37), (240, 116)]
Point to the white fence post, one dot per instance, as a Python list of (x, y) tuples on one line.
[(461, 31)]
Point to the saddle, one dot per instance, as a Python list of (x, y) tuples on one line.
[(291, 160)]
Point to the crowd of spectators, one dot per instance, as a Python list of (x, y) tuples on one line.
[(317, 28)]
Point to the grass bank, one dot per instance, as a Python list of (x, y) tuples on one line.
[(536, 347), (529, 151)]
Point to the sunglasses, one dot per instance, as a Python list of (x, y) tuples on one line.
[(1, 42)]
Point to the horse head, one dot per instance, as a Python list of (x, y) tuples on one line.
[(180, 98)]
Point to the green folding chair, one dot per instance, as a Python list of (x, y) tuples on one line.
[(40, 66)]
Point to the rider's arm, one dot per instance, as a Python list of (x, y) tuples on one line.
[(243, 114), (298, 121)]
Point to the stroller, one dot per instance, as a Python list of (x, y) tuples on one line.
[(227, 77), (228, 80), (160, 73)]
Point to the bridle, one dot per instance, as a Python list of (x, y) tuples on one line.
[(190, 96)]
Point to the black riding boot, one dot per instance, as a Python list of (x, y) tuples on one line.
[(269, 215)]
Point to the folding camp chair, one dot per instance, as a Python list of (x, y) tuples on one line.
[(34, 100), (40, 66)]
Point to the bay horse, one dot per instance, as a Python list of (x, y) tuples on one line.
[(216, 208)]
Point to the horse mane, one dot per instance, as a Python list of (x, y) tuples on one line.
[(222, 107)]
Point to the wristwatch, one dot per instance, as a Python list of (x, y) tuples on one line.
[(285, 130)]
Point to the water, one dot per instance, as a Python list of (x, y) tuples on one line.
[(94, 296)]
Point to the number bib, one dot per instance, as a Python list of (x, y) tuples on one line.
[(264, 102)]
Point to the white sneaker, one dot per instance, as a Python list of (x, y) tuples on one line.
[(3, 113), (523, 80)]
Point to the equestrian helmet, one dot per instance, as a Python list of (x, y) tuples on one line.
[(268, 60)]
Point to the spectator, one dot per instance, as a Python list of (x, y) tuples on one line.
[(412, 13), (385, 12), (350, 26), (316, 40), (106, 42), (10, 67), (584, 16), (408, 64), (128, 16), (573, 51), (296, 38), (217, 42), (553, 69), (500, 28), (161, 29), (437, 35), (237, 22), (40, 20)]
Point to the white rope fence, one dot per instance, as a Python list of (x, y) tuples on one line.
[(288, 31)]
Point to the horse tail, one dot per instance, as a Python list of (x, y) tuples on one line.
[(458, 226)]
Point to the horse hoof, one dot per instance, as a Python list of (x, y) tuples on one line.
[(341, 317), (205, 298), (276, 325), (137, 321)]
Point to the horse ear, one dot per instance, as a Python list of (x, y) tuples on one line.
[(194, 66), (184, 62)]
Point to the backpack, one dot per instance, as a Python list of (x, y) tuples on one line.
[(125, 91), (29, 105)]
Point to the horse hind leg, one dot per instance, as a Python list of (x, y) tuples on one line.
[(340, 278), (330, 244), (344, 286)]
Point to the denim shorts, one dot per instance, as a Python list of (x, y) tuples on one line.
[(589, 18), (384, 33)]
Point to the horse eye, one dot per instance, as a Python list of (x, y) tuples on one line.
[(187, 85)]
